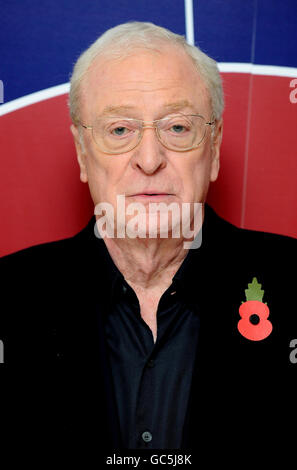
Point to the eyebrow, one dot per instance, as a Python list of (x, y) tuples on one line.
[(116, 109), (176, 106)]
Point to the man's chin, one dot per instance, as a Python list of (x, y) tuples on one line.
[(149, 228)]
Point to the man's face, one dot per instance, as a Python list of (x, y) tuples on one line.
[(147, 85)]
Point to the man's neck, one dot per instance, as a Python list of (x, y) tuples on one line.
[(147, 264)]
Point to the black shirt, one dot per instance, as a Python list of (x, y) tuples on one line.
[(152, 381)]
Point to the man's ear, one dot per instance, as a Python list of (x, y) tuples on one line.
[(80, 153), (215, 150)]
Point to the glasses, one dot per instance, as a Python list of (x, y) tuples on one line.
[(116, 135)]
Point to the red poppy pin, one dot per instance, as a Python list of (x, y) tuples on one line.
[(254, 313)]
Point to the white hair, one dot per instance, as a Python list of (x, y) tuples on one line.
[(123, 39)]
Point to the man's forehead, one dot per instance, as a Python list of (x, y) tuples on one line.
[(167, 67), (170, 106), (122, 85), (119, 86)]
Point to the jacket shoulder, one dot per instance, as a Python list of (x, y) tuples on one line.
[(251, 242), (46, 252)]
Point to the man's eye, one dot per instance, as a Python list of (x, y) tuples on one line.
[(178, 128), (120, 131)]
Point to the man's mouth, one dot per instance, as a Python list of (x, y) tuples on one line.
[(151, 194)]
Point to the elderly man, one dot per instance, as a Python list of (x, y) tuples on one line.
[(136, 340)]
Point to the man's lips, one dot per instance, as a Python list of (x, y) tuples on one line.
[(150, 194), (151, 197)]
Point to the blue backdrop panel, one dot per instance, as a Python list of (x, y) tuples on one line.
[(276, 34), (224, 29), (40, 40)]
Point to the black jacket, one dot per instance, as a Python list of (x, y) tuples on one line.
[(56, 383)]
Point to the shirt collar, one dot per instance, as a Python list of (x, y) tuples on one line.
[(186, 279)]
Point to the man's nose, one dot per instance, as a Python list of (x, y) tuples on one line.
[(149, 155)]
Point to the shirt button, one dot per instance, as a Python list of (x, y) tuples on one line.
[(151, 363), (124, 289), (146, 436)]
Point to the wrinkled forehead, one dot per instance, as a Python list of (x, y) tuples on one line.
[(143, 81)]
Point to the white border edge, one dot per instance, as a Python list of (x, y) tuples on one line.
[(189, 22), (224, 67), (34, 98), (255, 69)]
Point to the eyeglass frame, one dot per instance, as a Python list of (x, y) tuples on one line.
[(152, 126)]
